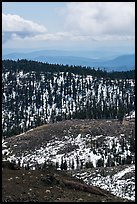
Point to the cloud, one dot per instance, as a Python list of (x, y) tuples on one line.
[(15, 26), (101, 18), (83, 21), (45, 36)]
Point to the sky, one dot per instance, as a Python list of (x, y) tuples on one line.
[(69, 26)]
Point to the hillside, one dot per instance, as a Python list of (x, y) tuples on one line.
[(37, 93), (69, 119), (121, 63), (100, 152), (49, 186)]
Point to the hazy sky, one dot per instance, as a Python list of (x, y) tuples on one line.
[(69, 25)]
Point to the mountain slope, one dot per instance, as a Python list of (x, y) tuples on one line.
[(54, 93), (123, 62), (49, 185), (99, 145), (120, 63)]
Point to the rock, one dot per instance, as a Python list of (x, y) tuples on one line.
[(80, 199), (48, 191)]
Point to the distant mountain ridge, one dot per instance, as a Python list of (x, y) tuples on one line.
[(120, 63)]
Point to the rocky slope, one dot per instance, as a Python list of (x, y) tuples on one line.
[(93, 150), (49, 186)]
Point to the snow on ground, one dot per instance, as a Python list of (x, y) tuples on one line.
[(122, 173), (54, 151), (130, 115), (116, 184), (6, 151), (71, 148), (56, 98)]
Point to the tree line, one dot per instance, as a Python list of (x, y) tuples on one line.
[(30, 65)]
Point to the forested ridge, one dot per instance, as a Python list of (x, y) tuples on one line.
[(35, 93), (29, 65)]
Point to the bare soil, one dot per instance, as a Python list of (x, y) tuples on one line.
[(49, 185), (41, 135)]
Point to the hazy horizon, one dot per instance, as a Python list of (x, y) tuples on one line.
[(106, 28)]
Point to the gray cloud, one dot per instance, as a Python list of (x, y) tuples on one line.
[(14, 26), (101, 18)]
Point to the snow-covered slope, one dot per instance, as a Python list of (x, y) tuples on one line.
[(120, 181), (31, 99), (111, 150)]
